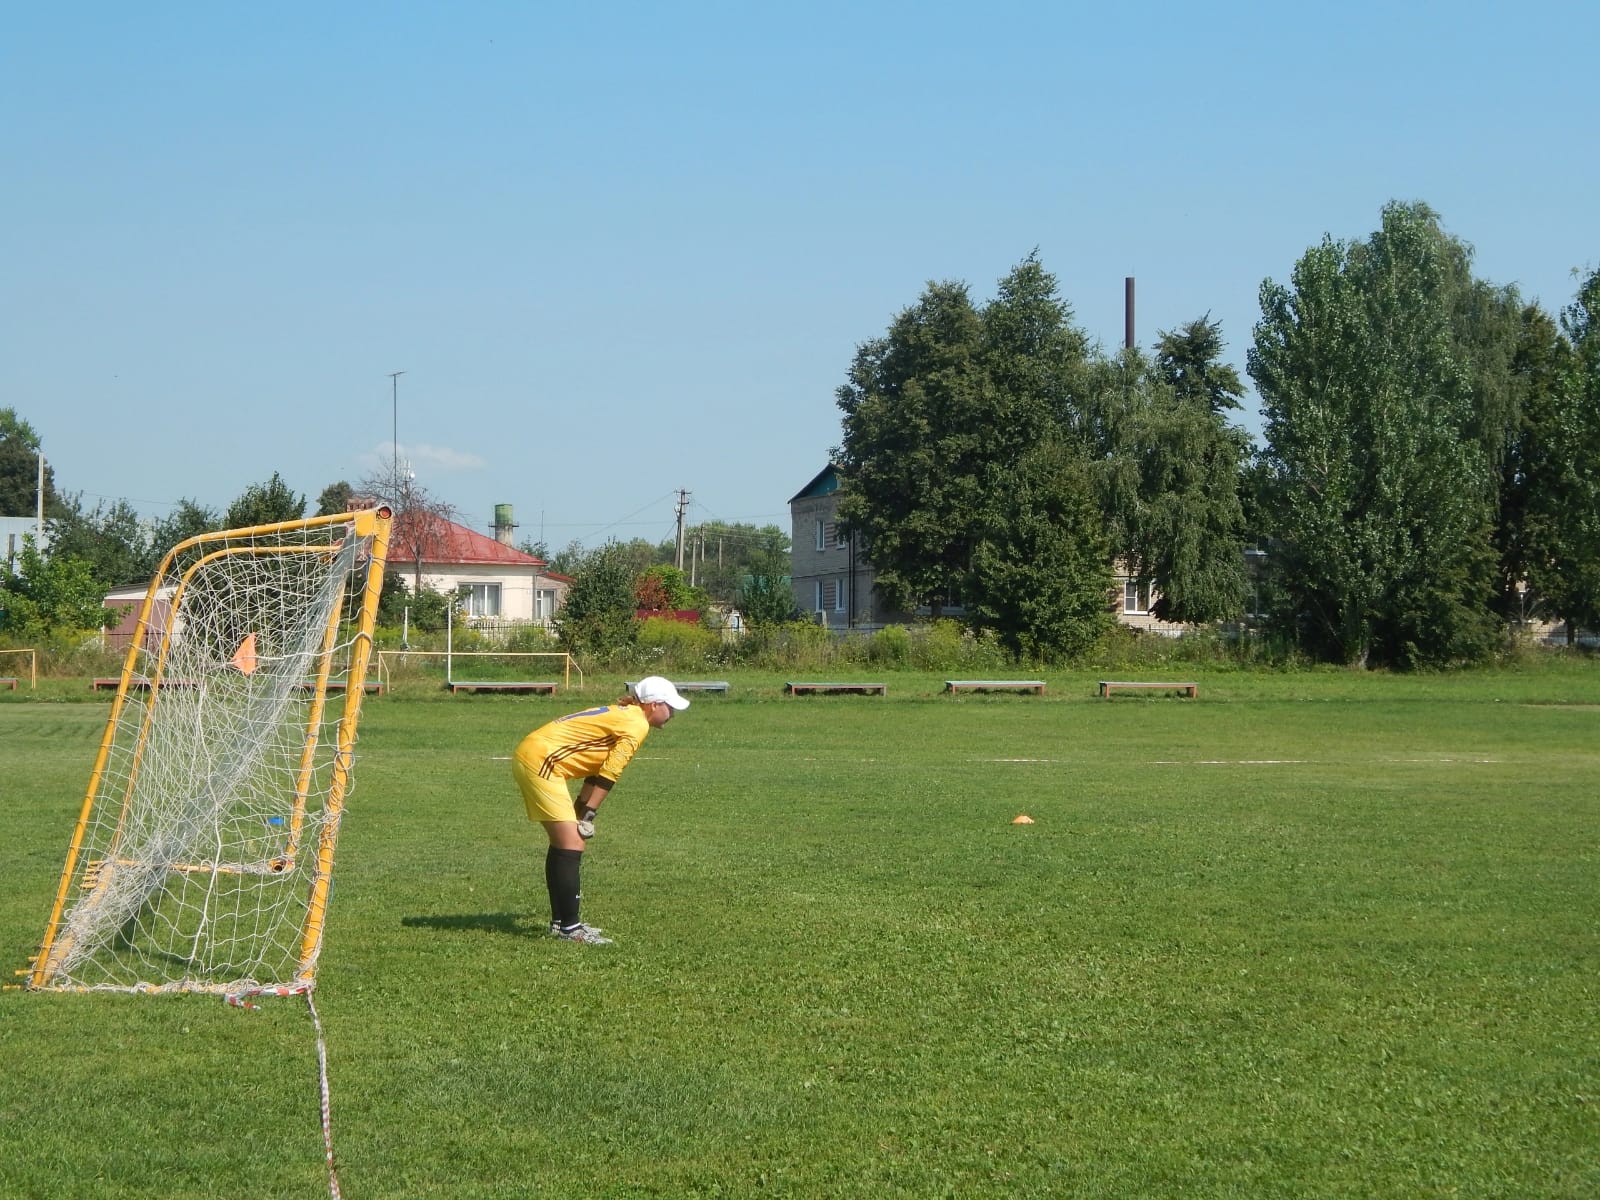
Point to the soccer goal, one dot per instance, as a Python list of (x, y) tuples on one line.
[(502, 670), (202, 858)]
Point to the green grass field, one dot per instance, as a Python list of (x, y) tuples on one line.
[(1312, 935)]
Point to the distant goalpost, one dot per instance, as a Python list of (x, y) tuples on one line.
[(501, 670), (202, 859)]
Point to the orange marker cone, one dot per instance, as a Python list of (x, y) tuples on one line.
[(1022, 819)]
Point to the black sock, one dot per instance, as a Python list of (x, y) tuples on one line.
[(561, 868)]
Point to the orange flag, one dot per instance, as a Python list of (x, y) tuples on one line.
[(244, 658)]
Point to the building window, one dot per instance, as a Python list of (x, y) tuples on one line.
[(839, 596), (483, 599), (544, 604), (821, 536), (816, 603), (1136, 596), (841, 539)]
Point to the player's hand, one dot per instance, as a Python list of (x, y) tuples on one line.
[(586, 824)]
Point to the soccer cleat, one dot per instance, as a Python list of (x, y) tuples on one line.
[(555, 928), (587, 934)]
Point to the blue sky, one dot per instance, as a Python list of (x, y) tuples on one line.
[(625, 249)]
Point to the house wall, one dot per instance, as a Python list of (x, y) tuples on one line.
[(519, 594), (831, 580), (13, 530)]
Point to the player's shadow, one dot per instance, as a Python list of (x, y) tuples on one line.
[(516, 924)]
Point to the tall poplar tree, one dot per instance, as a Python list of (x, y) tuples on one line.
[(1379, 490), (1563, 551)]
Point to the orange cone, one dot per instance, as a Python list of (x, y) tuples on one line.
[(1022, 819)]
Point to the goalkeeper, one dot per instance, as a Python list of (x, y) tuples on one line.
[(593, 745)]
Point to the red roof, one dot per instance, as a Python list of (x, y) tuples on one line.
[(445, 543)]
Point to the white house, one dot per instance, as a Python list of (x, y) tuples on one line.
[(502, 584)]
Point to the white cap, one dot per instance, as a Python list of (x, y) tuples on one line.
[(653, 689)]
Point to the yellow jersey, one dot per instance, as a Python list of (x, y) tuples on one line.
[(596, 741)]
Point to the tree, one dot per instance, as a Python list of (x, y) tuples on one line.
[(336, 498), (1185, 524), (664, 588), (1378, 489), (937, 414), (48, 597), (1530, 465), (1189, 361), (265, 504), (914, 416), (597, 618), (1039, 574), (1563, 537), (765, 595), (720, 555), (112, 540), (187, 519), (19, 469)]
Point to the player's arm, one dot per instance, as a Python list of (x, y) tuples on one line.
[(591, 795)]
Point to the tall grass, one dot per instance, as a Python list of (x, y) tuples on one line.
[(1324, 934)]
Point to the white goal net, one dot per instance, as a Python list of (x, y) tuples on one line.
[(203, 854)]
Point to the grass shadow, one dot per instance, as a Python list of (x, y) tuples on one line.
[(516, 924)]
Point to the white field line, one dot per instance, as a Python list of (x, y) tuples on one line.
[(1253, 762)]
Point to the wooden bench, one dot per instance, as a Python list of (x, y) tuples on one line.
[(1107, 686), (1035, 686), (693, 685), (8, 681), (371, 687), (870, 689), (496, 685), (110, 683)]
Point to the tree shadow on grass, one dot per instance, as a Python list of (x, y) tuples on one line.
[(516, 924)]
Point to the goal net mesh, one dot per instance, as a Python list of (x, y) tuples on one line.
[(202, 857)]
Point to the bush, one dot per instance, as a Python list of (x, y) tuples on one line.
[(947, 645), (890, 646), (664, 644)]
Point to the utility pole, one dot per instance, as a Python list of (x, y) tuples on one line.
[(683, 507), (394, 428)]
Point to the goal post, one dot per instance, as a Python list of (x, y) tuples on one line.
[(202, 857)]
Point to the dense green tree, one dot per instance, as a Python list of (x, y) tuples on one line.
[(112, 539), (44, 598), (765, 595), (265, 504), (1189, 361), (1529, 469), (937, 415), (1039, 575), (19, 469), (719, 555), (597, 617), (334, 499), (914, 454), (1563, 550), (1184, 520), (1379, 493), (187, 519)]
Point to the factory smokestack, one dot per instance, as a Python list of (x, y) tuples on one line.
[(1127, 313)]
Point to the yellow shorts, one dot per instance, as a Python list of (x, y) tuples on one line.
[(545, 799)]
